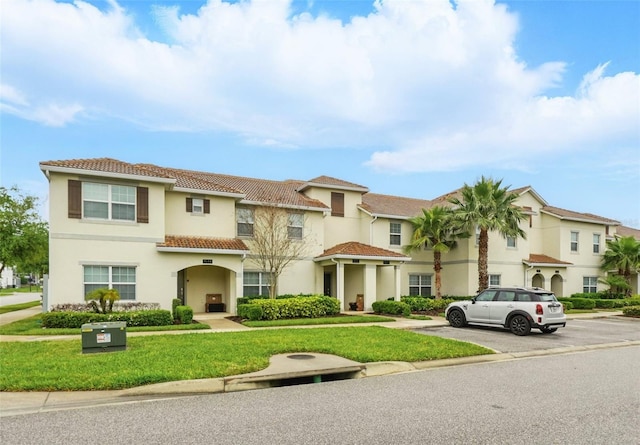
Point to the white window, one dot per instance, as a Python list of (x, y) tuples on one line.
[(596, 243), (589, 284), (574, 241), (107, 201), (198, 205), (494, 280), (395, 231), (420, 284), (244, 219), (511, 242), (123, 279), (255, 283), (295, 225)]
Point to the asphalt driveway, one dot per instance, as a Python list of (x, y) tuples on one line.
[(578, 332)]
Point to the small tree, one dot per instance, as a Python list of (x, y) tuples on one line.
[(101, 300), (623, 256), (24, 236), (278, 240)]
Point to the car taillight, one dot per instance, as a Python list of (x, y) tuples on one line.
[(538, 309)]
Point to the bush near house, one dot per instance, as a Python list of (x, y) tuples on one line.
[(424, 304), (631, 311), (598, 295), (289, 307), (592, 303), (250, 298), (184, 314), (77, 319), (391, 308)]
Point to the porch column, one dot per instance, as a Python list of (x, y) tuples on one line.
[(370, 286), (397, 282), (235, 293), (340, 284)]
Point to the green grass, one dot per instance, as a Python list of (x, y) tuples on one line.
[(317, 321), (33, 326), (19, 290), (61, 366), (18, 307)]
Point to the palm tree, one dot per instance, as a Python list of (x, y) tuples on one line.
[(435, 229), (622, 255), (489, 207)]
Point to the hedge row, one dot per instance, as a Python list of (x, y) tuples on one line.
[(591, 303), (250, 298), (390, 307), (292, 307), (77, 319), (606, 295), (631, 311), (422, 304)]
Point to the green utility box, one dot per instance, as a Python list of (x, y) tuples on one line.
[(104, 337)]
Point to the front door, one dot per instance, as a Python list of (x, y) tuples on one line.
[(327, 284), (181, 292)]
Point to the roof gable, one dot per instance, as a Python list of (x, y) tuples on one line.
[(577, 216)]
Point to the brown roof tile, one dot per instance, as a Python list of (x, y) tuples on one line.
[(536, 258), (393, 205), (107, 165), (200, 242), (569, 214), (328, 180), (628, 231), (353, 248)]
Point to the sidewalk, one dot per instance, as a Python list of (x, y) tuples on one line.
[(281, 367)]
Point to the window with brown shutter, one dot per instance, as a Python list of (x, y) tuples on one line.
[(74, 199), (207, 206), (337, 204), (142, 195), (189, 205)]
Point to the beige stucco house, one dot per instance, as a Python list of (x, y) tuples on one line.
[(158, 233)]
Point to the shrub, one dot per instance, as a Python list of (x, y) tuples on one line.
[(423, 304), (631, 311), (251, 312), (583, 303), (632, 301), (609, 304), (174, 304), (567, 306), (391, 308), (77, 319), (184, 314), (101, 300), (294, 307)]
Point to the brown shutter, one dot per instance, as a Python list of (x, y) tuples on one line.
[(142, 204), (75, 199), (337, 204), (189, 205), (207, 206)]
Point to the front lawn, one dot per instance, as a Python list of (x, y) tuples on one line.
[(61, 366), (343, 319), (18, 307)]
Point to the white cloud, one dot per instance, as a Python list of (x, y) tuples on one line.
[(438, 86)]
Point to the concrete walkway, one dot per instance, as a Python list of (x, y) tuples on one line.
[(282, 367)]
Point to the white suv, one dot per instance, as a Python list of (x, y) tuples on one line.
[(516, 308)]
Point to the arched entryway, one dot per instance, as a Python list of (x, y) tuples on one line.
[(195, 283), (538, 281), (557, 285)]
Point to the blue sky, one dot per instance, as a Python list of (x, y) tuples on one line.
[(409, 98)]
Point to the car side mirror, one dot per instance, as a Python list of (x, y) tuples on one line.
[(473, 300)]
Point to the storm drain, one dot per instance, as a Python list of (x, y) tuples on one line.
[(300, 356)]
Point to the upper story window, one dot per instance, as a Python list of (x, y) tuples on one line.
[(111, 202), (198, 206), (244, 220), (337, 204), (107, 201), (295, 225), (395, 233), (494, 280), (511, 241), (596, 243), (574, 241)]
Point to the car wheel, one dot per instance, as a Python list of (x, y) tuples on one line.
[(548, 330), (519, 325), (456, 318)]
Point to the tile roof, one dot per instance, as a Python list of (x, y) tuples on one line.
[(188, 180), (106, 165), (328, 180), (569, 214), (535, 258), (628, 231), (354, 248), (393, 205), (201, 242)]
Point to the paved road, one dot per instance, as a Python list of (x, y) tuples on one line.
[(558, 399), (21, 297), (576, 333)]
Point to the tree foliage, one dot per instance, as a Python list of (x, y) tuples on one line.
[(24, 237), (273, 243), (101, 300), (489, 207), (623, 256), (436, 229)]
